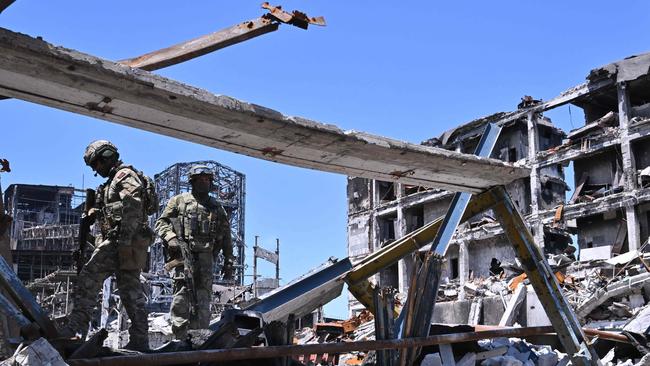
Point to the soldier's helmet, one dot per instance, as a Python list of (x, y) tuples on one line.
[(197, 170), (99, 148)]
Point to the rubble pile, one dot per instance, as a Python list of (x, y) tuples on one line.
[(452, 290), (613, 289)]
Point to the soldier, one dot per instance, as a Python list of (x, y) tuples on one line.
[(194, 227), (121, 210)]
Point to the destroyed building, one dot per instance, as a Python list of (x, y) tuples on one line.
[(494, 188), (608, 208), (45, 227)]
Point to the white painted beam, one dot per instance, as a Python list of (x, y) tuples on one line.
[(35, 71)]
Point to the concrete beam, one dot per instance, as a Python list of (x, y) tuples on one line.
[(4, 4), (35, 71)]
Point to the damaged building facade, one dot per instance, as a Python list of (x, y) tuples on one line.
[(45, 228), (606, 214)]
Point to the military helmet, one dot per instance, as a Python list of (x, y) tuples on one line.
[(99, 148), (197, 170)]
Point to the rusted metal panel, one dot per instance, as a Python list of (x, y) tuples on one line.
[(220, 355), (296, 17)]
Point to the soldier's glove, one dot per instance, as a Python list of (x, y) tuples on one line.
[(90, 216), (174, 247)]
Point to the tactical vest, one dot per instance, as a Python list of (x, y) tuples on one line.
[(109, 217), (199, 222)]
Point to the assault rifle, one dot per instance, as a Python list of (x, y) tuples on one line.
[(84, 229), (186, 262)]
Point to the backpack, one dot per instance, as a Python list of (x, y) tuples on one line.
[(149, 197)]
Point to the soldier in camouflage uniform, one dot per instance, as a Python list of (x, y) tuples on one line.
[(121, 249), (198, 222)]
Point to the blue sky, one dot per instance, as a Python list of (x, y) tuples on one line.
[(407, 70)]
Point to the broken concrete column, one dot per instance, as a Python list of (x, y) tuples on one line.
[(463, 262), (533, 147), (629, 165)]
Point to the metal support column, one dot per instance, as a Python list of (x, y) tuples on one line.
[(543, 280), (415, 320)]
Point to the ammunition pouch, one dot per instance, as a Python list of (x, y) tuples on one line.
[(200, 231), (134, 256)]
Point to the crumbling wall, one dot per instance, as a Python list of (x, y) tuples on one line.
[(519, 191), (601, 168), (435, 209), (599, 230), (512, 144), (641, 150), (644, 220), (359, 198), (481, 253), (359, 235)]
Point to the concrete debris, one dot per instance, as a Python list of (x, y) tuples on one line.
[(40, 352)]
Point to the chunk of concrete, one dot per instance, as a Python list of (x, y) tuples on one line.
[(603, 252), (548, 358), (469, 359), (432, 359), (40, 352), (502, 361)]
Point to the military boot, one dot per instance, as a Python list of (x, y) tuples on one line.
[(140, 344)]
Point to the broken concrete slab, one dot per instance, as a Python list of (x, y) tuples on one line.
[(39, 352), (512, 309), (640, 324), (618, 288), (36, 71)]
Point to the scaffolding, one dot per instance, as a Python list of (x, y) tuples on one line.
[(229, 191)]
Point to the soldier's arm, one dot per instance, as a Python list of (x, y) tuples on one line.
[(130, 192), (164, 227)]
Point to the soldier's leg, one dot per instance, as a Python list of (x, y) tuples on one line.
[(132, 296), (203, 285), (102, 264), (180, 309)]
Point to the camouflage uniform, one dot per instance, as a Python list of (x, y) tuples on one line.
[(203, 225), (121, 249)]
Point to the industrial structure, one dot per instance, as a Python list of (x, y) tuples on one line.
[(501, 177), (607, 212), (45, 226)]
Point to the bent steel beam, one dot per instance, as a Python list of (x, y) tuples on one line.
[(543, 280), (33, 70), (415, 319), (234, 354)]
